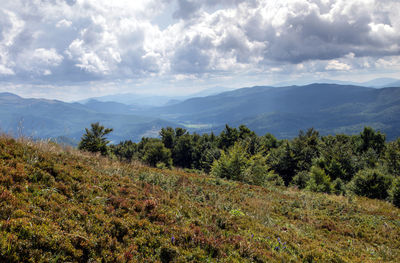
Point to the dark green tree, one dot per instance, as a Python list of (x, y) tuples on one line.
[(339, 156), (168, 137), (392, 157), (269, 142), (282, 161), (183, 151), (372, 183), (154, 153), (94, 140), (125, 151), (228, 137), (305, 148), (395, 192), (373, 140)]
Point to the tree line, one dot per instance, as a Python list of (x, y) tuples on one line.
[(364, 164)]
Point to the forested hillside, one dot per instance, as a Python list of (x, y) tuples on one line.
[(61, 205)]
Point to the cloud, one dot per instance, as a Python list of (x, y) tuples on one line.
[(83, 40), (63, 23), (337, 65)]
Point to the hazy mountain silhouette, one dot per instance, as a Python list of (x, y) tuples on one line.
[(283, 111), (329, 108), (41, 118)]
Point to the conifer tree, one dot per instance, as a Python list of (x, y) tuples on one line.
[(94, 140)]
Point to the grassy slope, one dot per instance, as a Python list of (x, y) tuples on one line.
[(61, 205)]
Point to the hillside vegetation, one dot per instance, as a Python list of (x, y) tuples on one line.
[(61, 205)]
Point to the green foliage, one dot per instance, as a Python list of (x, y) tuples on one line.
[(300, 179), (371, 139), (392, 157), (305, 148), (319, 181), (125, 151), (339, 155), (168, 137), (208, 155), (235, 164), (154, 153), (228, 137), (395, 192), (183, 151), (338, 187), (372, 183), (269, 141), (257, 172), (232, 164), (282, 161), (273, 179), (94, 140)]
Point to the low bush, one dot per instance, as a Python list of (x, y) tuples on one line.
[(319, 181), (395, 192), (300, 179), (372, 183)]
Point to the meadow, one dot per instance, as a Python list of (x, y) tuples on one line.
[(58, 204)]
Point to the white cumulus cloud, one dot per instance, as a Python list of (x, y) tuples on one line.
[(81, 40)]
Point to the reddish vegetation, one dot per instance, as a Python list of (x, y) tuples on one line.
[(59, 205)]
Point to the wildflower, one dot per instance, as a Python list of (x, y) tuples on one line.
[(173, 240)]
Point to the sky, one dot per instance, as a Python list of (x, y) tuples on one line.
[(74, 49)]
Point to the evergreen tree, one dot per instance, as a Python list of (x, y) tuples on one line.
[(154, 153), (373, 140), (94, 140)]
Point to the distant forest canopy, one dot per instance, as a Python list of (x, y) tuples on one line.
[(364, 164)]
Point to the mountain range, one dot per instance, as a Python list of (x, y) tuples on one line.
[(374, 83), (330, 108), (41, 118), (282, 111)]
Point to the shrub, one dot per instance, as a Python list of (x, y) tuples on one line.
[(274, 179), (371, 183), (395, 192), (235, 165), (300, 179), (257, 170), (231, 164), (155, 154), (319, 180), (338, 187)]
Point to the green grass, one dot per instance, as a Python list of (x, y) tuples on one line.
[(58, 205)]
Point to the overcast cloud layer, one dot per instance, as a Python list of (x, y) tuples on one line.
[(54, 42)]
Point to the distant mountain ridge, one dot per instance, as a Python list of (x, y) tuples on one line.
[(330, 108), (42, 118), (283, 111), (374, 83), (146, 101)]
